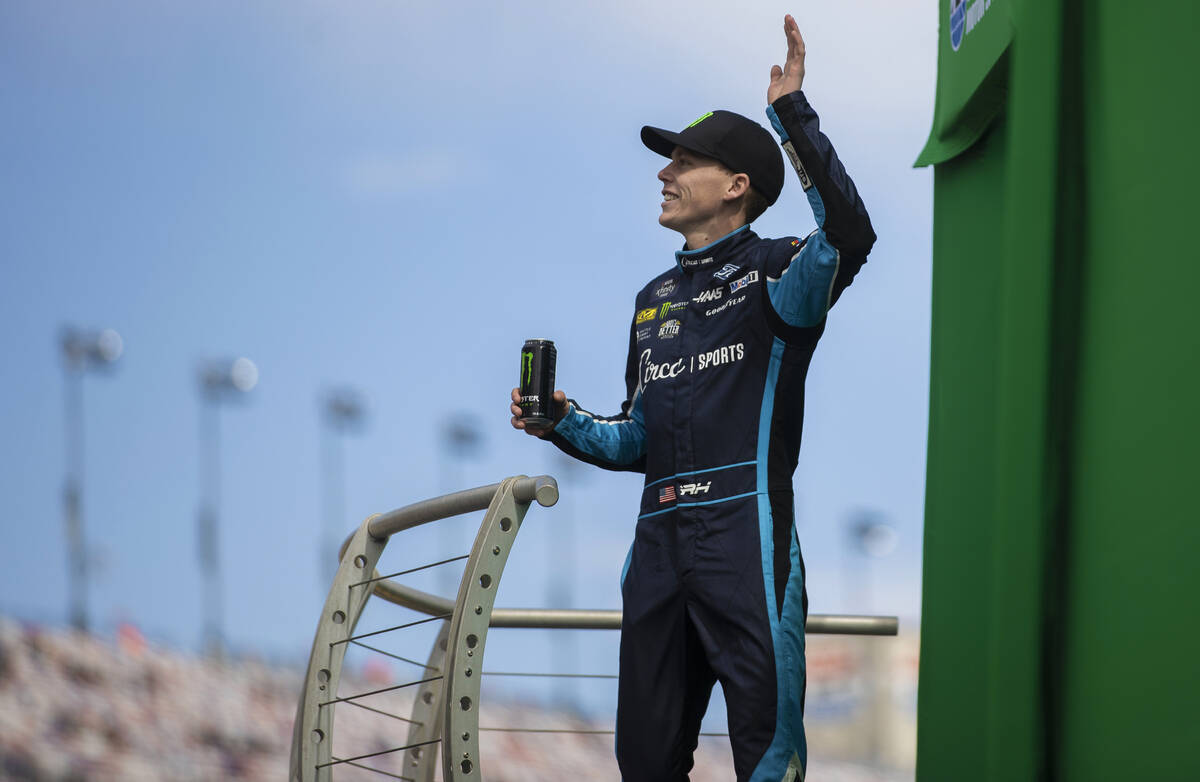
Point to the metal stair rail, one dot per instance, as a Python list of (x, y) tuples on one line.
[(446, 705)]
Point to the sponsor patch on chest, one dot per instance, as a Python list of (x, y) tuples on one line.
[(723, 355), (730, 303), (742, 282)]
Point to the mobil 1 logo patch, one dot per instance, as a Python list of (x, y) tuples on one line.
[(742, 282)]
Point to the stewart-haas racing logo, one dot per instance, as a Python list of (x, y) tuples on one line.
[(649, 371), (726, 271), (706, 296)]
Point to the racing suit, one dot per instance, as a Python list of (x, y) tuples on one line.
[(713, 587)]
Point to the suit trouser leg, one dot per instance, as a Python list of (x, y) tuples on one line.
[(665, 682)]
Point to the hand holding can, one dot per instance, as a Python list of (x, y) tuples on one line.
[(536, 406)]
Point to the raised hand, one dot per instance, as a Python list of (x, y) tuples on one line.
[(791, 75)]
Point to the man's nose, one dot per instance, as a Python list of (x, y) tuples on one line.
[(662, 174)]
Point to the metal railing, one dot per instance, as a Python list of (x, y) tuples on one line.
[(445, 708)]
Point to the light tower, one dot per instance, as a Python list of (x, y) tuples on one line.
[(461, 439), (219, 381), (81, 351), (342, 410)]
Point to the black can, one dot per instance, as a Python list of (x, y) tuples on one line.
[(537, 381)]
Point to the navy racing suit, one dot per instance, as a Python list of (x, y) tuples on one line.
[(713, 587)]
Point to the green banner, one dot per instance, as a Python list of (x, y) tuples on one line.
[(973, 38)]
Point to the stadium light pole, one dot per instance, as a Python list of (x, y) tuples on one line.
[(561, 574), (460, 440), (869, 534), (343, 411), (81, 351), (219, 381)]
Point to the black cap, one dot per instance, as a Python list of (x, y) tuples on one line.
[(739, 143)]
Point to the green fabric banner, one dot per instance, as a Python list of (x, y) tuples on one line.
[(973, 38)]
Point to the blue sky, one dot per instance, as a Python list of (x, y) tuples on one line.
[(392, 196)]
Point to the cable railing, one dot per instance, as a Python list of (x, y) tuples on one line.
[(446, 690)]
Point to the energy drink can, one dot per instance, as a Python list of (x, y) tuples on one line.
[(537, 381)]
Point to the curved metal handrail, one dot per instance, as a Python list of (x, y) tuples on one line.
[(445, 708), (312, 738)]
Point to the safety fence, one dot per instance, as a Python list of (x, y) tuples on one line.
[(444, 708)]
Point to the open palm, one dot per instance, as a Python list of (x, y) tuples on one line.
[(790, 77)]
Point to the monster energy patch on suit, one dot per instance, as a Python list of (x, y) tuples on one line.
[(537, 381)]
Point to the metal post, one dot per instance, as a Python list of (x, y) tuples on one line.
[(207, 539), (219, 381), (342, 411), (461, 440), (77, 575), (331, 470), (561, 573), (80, 350)]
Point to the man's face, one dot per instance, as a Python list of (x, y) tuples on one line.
[(693, 190)]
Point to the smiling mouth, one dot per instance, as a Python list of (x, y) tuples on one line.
[(669, 197)]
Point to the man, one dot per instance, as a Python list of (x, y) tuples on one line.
[(713, 586)]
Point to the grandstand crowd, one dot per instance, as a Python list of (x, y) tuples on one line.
[(77, 707)]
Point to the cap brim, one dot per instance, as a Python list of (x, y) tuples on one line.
[(664, 142), (658, 140)]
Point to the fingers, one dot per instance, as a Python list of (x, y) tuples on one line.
[(515, 409), (560, 401), (795, 40), (776, 73), (533, 429)]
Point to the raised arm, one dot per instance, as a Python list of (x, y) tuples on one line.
[(812, 277)]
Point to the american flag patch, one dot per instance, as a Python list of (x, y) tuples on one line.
[(666, 495)]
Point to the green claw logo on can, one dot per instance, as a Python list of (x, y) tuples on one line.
[(526, 367), (537, 382)]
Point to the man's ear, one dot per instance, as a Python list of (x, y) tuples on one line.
[(738, 187)]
